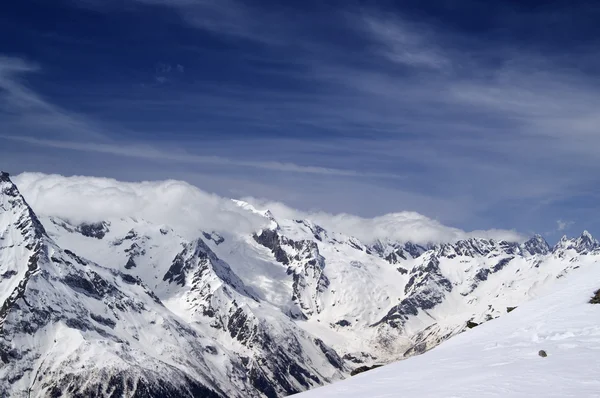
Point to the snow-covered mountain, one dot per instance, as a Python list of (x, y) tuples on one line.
[(114, 305)]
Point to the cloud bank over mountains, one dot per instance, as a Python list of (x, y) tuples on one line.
[(191, 210)]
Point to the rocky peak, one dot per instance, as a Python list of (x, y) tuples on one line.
[(199, 265), (584, 244), (317, 231), (14, 207), (395, 252), (537, 245)]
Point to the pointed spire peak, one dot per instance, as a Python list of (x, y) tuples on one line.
[(537, 245), (587, 241), (13, 203), (7, 187)]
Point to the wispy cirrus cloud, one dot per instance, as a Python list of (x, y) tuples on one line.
[(404, 43), (177, 155), (24, 107), (32, 111)]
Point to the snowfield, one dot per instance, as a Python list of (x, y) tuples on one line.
[(500, 358)]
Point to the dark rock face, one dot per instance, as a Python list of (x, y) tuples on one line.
[(19, 292), (399, 252), (537, 245), (308, 277), (471, 324), (215, 237), (343, 323), (130, 263), (362, 369), (595, 298), (306, 267), (93, 230), (430, 337), (176, 272), (274, 369), (501, 264), (116, 385), (330, 354), (469, 247), (103, 320), (90, 284), (270, 239), (197, 261), (425, 289), (395, 257), (414, 250)]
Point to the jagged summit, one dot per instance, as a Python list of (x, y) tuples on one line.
[(583, 244), (537, 245)]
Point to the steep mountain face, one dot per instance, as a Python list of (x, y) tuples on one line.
[(126, 307), (70, 326)]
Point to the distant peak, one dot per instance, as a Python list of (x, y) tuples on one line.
[(264, 213), (537, 245), (5, 177), (537, 238), (586, 234)]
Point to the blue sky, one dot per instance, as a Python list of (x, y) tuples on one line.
[(477, 114)]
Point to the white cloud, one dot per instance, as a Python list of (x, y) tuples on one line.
[(401, 226), (191, 210), (563, 225), (174, 203)]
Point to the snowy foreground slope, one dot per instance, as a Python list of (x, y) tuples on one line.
[(500, 358), (114, 289)]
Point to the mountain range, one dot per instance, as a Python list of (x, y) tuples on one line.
[(123, 306)]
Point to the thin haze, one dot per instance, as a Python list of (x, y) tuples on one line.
[(478, 115)]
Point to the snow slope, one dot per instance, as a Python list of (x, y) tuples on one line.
[(229, 299), (500, 358)]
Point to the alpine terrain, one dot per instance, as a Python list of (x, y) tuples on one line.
[(95, 302)]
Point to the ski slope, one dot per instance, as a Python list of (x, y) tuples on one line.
[(500, 358)]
